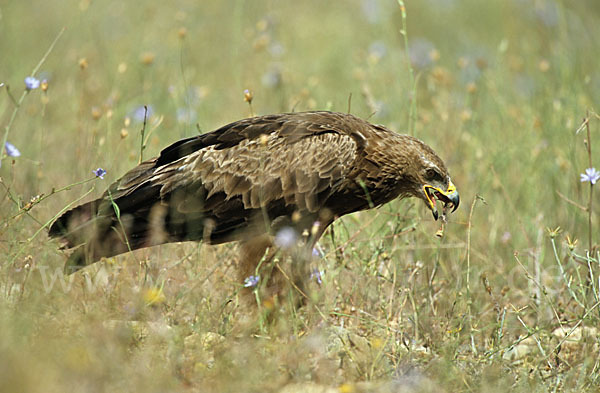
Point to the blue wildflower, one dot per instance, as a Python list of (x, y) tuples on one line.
[(286, 237), (99, 173), (591, 175), (185, 115), (31, 83), (419, 50), (317, 275), (548, 13), (11, 150), (276, 49), (139, 113), (377, 50), (271, 78), (251, 281), (371, 10)]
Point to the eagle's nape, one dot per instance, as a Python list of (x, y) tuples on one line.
[(254, 177)]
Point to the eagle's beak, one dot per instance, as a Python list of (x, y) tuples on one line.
[(450, 197)]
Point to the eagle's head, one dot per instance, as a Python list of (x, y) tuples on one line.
[(437, 186), (429, 178)]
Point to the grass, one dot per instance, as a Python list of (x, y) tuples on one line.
[(507, 299)]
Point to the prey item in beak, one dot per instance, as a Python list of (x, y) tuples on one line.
[(450, 198)]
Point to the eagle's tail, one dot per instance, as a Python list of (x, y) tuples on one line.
[(101, 228)]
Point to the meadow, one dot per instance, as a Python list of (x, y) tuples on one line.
[(506, 92)]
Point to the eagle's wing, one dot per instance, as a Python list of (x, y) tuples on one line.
[(298, 160)]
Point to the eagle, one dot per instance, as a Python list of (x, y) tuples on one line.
[(253, 178)]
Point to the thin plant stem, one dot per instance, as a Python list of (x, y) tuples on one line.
[(412, 114), (591, 198), (563, 274), (42, 197), (591, 277), (26, 91), (543, 290), (142, 132), (469, 226), (117, 211), (568, 334), (50, 221)]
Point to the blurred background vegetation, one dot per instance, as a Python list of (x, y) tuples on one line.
[(504, 299)]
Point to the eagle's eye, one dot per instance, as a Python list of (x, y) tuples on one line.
[(433, 175)]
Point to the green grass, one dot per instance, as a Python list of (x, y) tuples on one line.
[(501, 89)]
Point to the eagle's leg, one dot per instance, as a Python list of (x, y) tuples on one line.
[(278, 277), (303, 259), (290, 272), (255, 267), (252, 252)]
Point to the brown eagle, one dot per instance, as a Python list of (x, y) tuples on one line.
[(252, 178)]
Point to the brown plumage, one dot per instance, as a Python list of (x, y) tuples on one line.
[(253, 177)]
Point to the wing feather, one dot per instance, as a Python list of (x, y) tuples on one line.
[(277, 169)]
